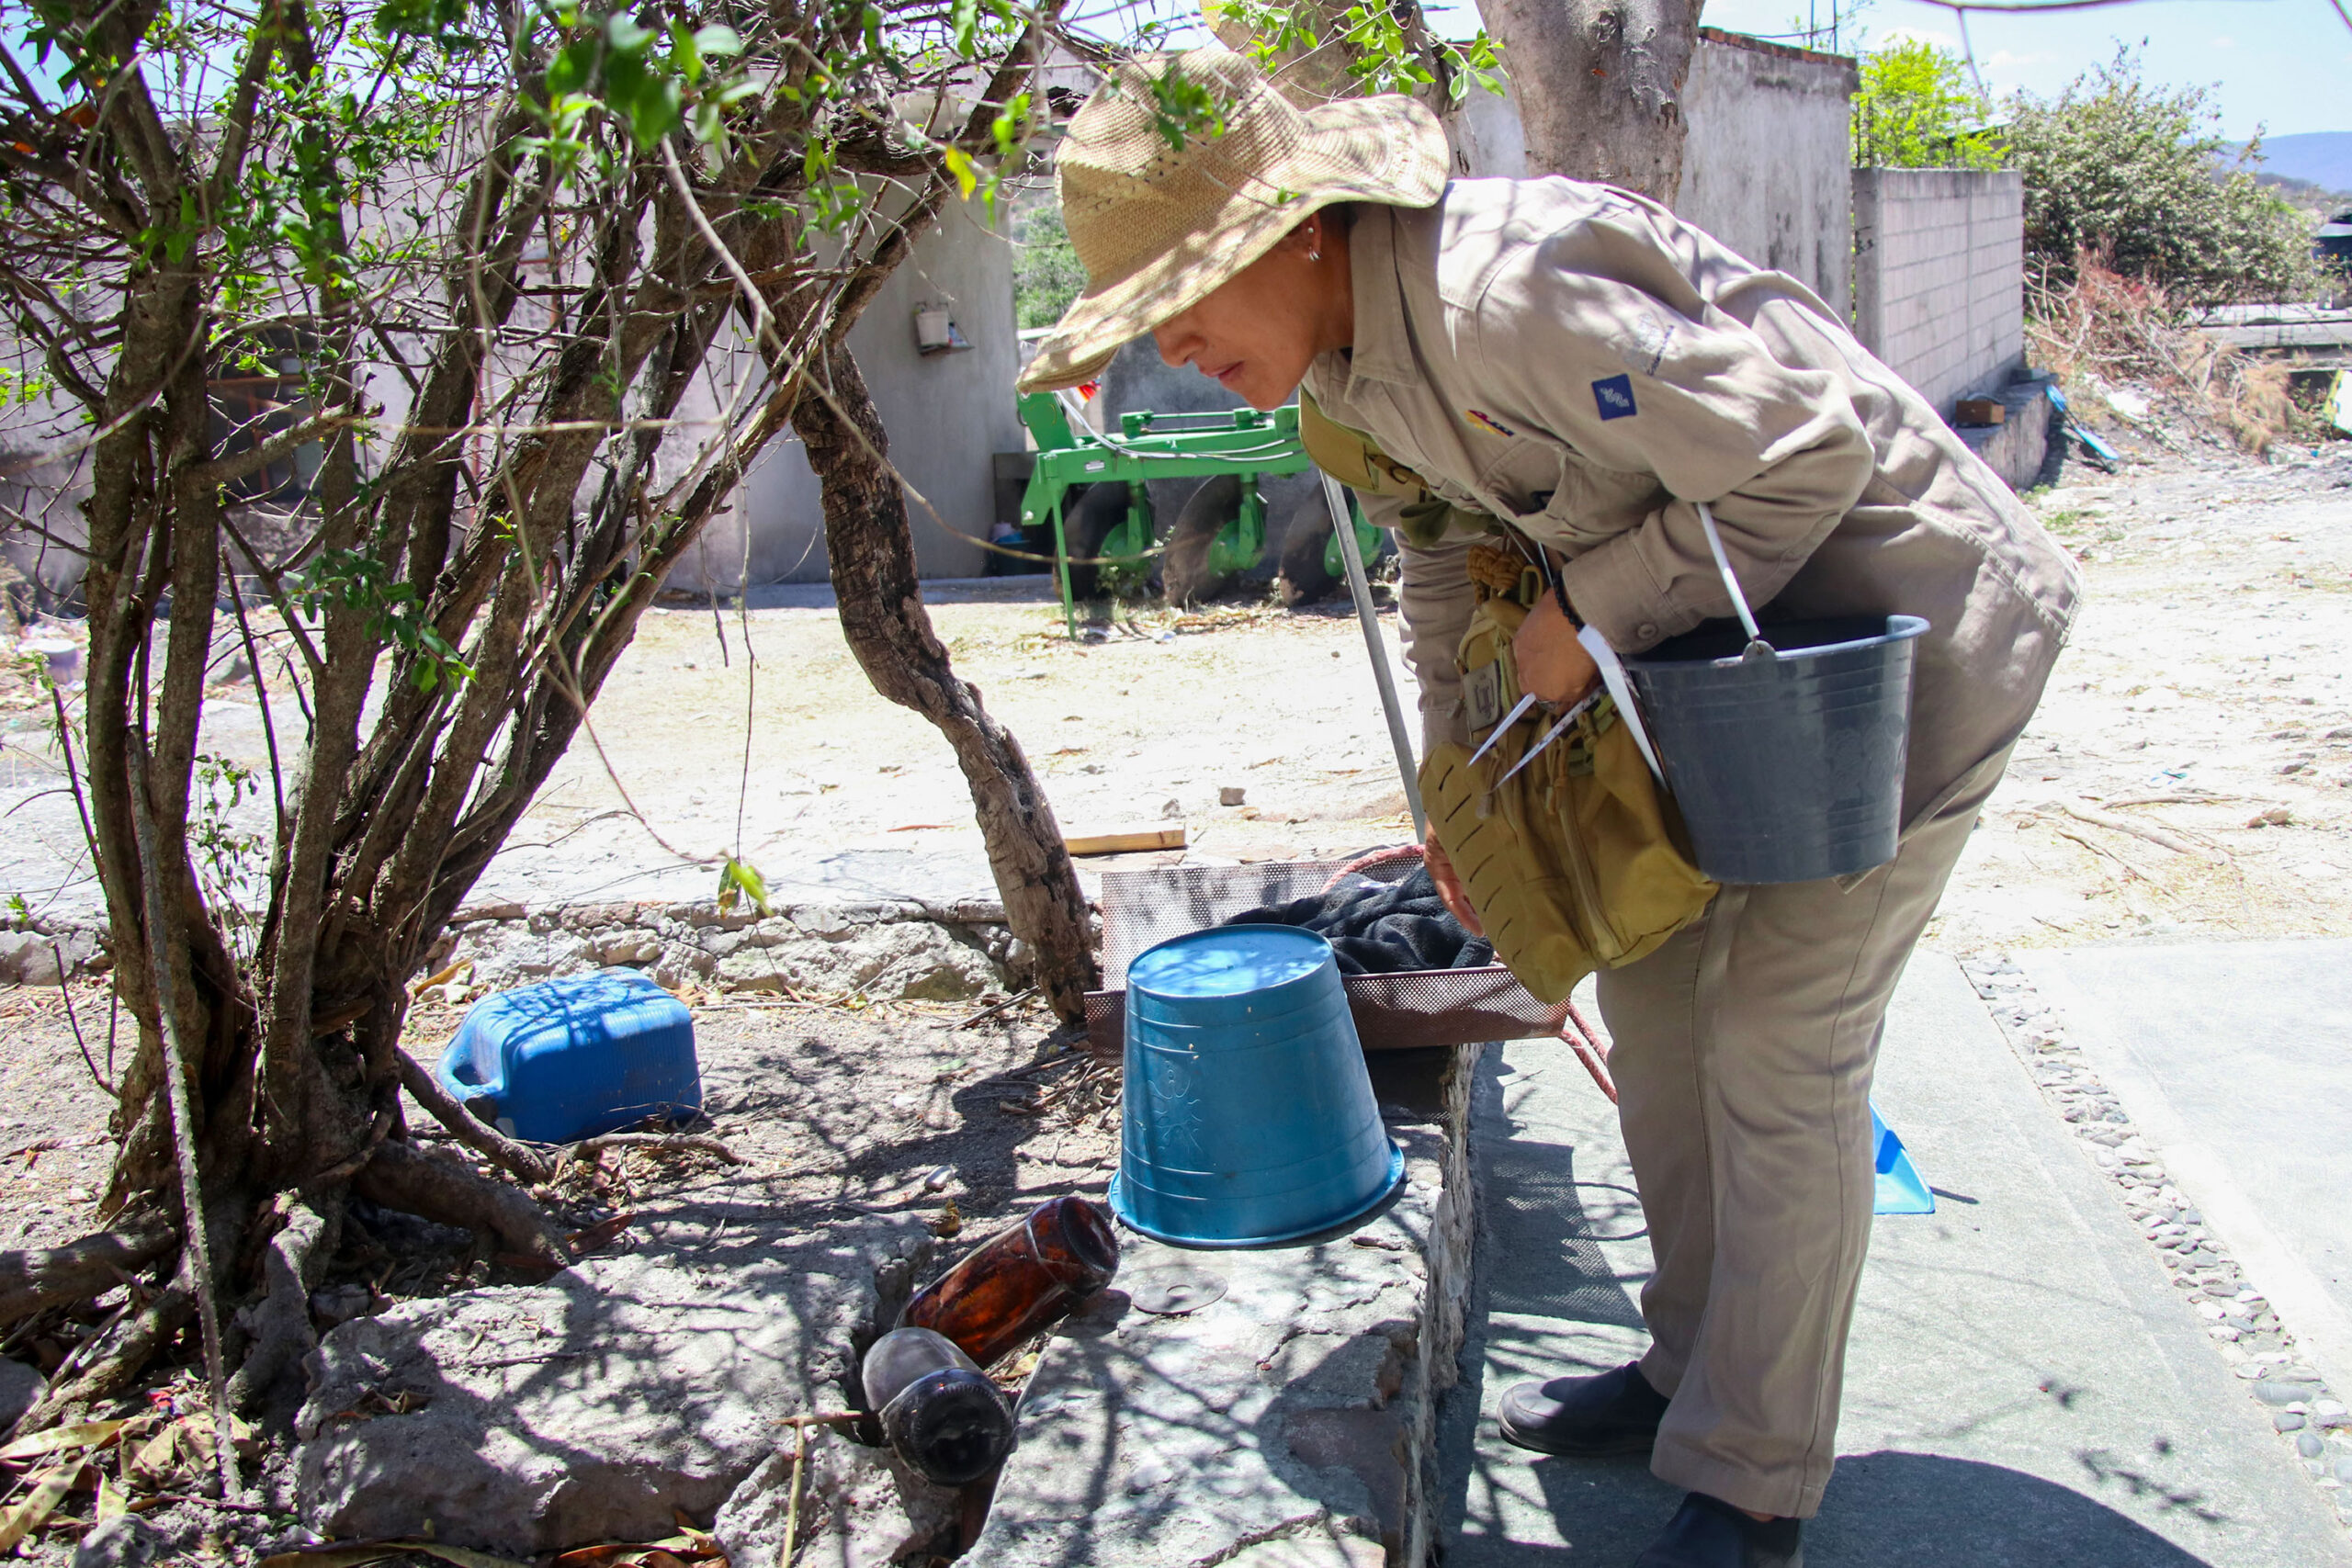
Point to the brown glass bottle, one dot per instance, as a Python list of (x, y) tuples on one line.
[(1020, 1280)]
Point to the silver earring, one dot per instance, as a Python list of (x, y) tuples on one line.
[(1313, 255)]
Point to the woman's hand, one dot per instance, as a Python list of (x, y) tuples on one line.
[(1551, 663), (1448, 885)]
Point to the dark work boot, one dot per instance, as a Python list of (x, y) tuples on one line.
[(1612, 1413), (1707, 1533)]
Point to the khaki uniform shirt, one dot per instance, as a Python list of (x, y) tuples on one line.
[(1576, 360)]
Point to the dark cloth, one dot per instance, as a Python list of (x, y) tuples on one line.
[(1381, 928)]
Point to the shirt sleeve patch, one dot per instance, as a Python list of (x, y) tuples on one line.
[(1615, 394), (1647, 344)]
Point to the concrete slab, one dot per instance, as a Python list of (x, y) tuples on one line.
[(1289, 1423), (2023, 1386), (2232, 1058)]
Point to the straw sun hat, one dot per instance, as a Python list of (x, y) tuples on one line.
[(1158, 227)]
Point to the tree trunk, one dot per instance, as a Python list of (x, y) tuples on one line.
[(1599, 85), (873, 560)]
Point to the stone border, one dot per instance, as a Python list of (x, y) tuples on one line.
[(2244, 1329), (42, 950), (872, 950), (875, 949)]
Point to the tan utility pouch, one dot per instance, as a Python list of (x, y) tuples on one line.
[(1576, 863)]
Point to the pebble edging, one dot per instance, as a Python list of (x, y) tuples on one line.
[(2247, 1332)]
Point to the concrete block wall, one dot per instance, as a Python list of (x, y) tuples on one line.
[(1939, 275)]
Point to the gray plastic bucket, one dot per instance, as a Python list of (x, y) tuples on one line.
[(1787, 767)]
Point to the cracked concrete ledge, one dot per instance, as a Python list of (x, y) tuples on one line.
[(876, 949), (536, 1419), (1290, 1423)]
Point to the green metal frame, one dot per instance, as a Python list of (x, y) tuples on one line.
[(1246, 442)]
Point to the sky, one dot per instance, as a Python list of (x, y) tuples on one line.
[(2278, 66), (2282, 65)]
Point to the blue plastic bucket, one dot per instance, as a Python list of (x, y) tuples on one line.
[(1787, 767), (1249, 1116)]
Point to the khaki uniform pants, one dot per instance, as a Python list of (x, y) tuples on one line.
[(1742, 1052)]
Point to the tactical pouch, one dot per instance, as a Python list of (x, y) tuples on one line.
[(1574, 862)]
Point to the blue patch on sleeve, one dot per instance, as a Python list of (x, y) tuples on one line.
[(1615, 396)]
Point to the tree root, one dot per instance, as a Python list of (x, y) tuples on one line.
[(129, 1349), (280, 1320), (440, 1186), (649, 1143), (48, 1276), (519, 1159)]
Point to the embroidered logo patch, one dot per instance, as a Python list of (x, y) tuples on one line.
[(1645, 349), (1615, 396), (1486, 421)]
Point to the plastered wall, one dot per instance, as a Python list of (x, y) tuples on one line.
[(946, 413), (1765, 160)]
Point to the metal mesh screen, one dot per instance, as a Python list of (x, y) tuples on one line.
[(1402, 1012)]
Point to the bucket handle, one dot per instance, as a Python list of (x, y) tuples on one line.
[(1612, 669), (1730, 583)]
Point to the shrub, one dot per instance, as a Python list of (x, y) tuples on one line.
[(1914, 111), (2138, 173), (1045, 272), (2100, 328)]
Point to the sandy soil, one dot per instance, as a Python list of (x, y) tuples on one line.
[(1144, 727), (2203, 698), (830, 1108), (2190, 773)]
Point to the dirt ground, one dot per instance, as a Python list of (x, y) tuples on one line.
[(2189, 772), (827, 1106)]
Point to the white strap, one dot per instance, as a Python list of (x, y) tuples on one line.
[(1723, 565), (1613, 675)]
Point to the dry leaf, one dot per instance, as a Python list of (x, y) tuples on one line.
[(81, 1434), (157, 1459), (601, 1235), (690, 1545), (377, 1551), (33, 1512)]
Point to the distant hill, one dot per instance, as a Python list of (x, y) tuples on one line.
[(2323, 158)]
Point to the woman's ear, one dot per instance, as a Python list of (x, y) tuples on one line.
[(1305, 236)]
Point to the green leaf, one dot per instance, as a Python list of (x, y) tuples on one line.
[(571, 68), (625, 34), (684, 53), (737, 880), (964, 23), (1012, 126), (718, 39)]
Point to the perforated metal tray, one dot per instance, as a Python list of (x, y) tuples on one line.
[(1403, 1012)]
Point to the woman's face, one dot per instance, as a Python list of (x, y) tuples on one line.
[(1258, 332)]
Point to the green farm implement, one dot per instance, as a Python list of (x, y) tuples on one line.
[(1243, 443)]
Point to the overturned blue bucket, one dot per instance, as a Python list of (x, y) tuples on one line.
[(1249, 1116), (1786, 763)]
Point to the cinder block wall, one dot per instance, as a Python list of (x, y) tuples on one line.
[(1939, 275)]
